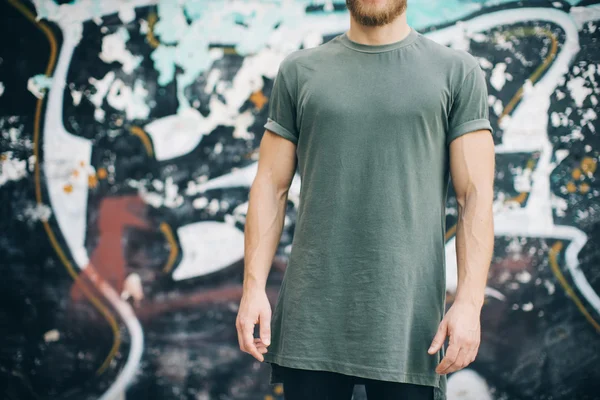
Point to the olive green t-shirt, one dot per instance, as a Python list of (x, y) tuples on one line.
[(364, 290)]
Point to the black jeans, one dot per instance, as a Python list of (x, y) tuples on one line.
[(303, 384)]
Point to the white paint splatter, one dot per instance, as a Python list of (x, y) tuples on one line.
[(114, 49), (38, 84), (1, 88), (132, 288), (498, 77), (52, 335), (133, 102), (578, 90), (466, 384), (207, 247), (178, 134), (11, 169), (527, 306)]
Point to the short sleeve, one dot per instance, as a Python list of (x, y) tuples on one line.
[(469, 111), (282, 109)]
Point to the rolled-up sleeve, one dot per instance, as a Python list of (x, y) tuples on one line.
[(469, 111), (282, 109)]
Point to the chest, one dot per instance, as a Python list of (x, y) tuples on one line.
[(388, 97)]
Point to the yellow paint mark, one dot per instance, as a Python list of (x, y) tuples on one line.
[(588, 165), (539, 70), (584, 188), (3, 157), (139, 132), (75, 173), (450, 232), (552, 255), (520, 198), (278, 389), (92, 181), (259, 99), (269, 397), (82, 163), (152, 41), (38, 191), (168, 232), (571, 188), (102, 173), (68, 188), (576, 174)]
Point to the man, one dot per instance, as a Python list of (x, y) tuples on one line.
[(376, 120)]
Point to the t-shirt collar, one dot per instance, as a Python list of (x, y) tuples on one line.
[(370, 48)]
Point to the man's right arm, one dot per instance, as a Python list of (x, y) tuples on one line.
[(264, 224)]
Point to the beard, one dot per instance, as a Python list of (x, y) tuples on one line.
[(370, 15)]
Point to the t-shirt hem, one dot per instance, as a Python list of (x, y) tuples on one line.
[(275, 127), (469, 126), (360, 371)]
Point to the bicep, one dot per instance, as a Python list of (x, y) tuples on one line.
[(472, 164), (276, 160)]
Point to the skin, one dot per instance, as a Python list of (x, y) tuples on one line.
[(376, 22), (264, 224), (472, 170)]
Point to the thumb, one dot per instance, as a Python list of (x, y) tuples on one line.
[(438, 339), (265, 327)]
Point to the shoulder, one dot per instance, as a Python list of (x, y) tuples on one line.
[(453, 65), (448, 57), (303, 58)]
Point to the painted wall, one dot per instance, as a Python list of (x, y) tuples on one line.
[(128, 142)]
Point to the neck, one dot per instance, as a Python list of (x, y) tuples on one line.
[(395, 31)]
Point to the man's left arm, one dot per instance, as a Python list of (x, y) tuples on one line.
[(472, 164)]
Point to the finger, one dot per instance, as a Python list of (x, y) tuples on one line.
[(248, 337), (459, 363), (438, 339), (238, 328), (449, 358), (259, 343), (265, 327)]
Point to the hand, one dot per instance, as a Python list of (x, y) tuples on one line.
[(462, 324), (254, 309)]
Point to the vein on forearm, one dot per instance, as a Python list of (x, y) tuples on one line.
[(264, 224), (474, 233)]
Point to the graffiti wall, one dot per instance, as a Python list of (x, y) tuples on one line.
[(129, 132)]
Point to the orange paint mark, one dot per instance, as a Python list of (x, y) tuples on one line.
[(174, 250), (571, 188), (584, 188), (75, 173), (82, 163), (278, 389), (576, 174), (102, 174), (68, 188), (139, 132), (3, 157), (588, 165), (520, 198), (258, 99), (450, 232), (92, 181), (150, 38)]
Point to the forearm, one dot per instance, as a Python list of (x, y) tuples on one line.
[(264, 223), (474, 245)]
